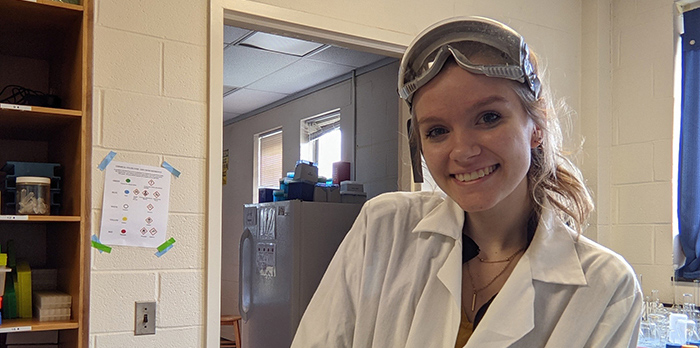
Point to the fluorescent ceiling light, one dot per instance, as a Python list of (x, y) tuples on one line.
[(280, 44)]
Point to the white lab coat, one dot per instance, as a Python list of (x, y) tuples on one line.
[(396, 281)]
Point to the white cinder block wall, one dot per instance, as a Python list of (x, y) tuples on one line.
[(640, 148), (150, 82)]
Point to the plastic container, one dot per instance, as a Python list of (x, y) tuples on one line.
[(351, 187), (341, 172), (52, 314), (3, 274), (23, 289), (353, 197), (33, 195), (51, 299)]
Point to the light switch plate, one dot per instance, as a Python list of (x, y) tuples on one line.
[(145, 318)]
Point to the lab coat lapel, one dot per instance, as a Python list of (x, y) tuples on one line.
[(553, 254), (447, 219), (511, 315), (451, 271)]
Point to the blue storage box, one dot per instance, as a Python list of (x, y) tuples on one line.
[(301, 190), (265, 195)]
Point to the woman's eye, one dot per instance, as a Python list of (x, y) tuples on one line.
[(490, 118), (435, 132)]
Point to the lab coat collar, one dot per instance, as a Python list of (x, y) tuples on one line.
[(552, 258), (446, 218), (552, 253)]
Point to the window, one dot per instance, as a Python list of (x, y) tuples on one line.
[(269, 166), (689, 148), (320, 141)]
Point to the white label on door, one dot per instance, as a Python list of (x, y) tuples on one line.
[(265, 259)]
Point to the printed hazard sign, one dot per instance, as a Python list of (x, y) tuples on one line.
[(135, 205)]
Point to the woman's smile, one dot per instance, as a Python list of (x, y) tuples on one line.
[(477, 174)]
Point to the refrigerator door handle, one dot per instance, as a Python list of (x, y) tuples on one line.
[(246, 267)]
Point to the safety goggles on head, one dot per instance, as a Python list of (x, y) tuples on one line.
[(478, 45)]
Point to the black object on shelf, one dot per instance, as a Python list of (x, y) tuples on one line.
[(13, 169)]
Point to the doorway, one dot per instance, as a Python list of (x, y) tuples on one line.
[(270, 23)]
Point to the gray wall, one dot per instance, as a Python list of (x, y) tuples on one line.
[(376, 145)]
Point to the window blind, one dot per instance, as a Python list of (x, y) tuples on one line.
[(270, 159)]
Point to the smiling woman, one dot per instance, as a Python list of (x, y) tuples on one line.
[(499, 261), (470, 123)]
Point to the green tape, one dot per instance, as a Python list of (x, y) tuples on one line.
[(100, 246), (167, 243)]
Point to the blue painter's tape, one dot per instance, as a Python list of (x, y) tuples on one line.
[(170, 168), (160, 253), (106, 160), (95, 239)]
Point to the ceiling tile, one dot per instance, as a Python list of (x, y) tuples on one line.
[(228, 89), (281, 44), (246, 100), (299, 76), (340, 55), (233, 34), (230, 116), (244, 65)]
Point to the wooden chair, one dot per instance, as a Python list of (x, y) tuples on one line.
[(235, 321)]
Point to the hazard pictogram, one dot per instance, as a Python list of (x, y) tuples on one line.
[(151, 182), (149, 220), (143, 230), (150, 207), (136, 191), (145, 193), (156, 194), (153, 231)]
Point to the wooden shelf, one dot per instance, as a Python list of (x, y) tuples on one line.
[(39, 218), (23, 110), (35, 122), (59, 4), (18, 325), (46, 46), (49, 7)]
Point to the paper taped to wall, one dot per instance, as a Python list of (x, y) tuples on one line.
[(135, 205)]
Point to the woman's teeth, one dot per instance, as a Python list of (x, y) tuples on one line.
[(475, 174)]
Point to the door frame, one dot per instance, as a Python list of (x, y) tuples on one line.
[(268, 18)]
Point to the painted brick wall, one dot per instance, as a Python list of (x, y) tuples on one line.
[(150, 78), (641, 144)]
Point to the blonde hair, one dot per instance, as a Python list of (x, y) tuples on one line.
[(552, 178)]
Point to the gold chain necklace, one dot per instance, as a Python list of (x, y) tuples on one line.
[(500, 261), (471, 280)]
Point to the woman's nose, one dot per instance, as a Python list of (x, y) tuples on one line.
[(464, 147)]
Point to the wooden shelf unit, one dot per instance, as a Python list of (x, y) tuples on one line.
[(46, 46), (18, 325)]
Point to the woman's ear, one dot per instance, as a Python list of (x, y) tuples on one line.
[(537, 137)]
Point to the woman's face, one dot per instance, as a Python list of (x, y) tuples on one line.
[(476, 138)]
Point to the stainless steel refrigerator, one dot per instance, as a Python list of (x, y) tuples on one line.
[(284, 251)]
